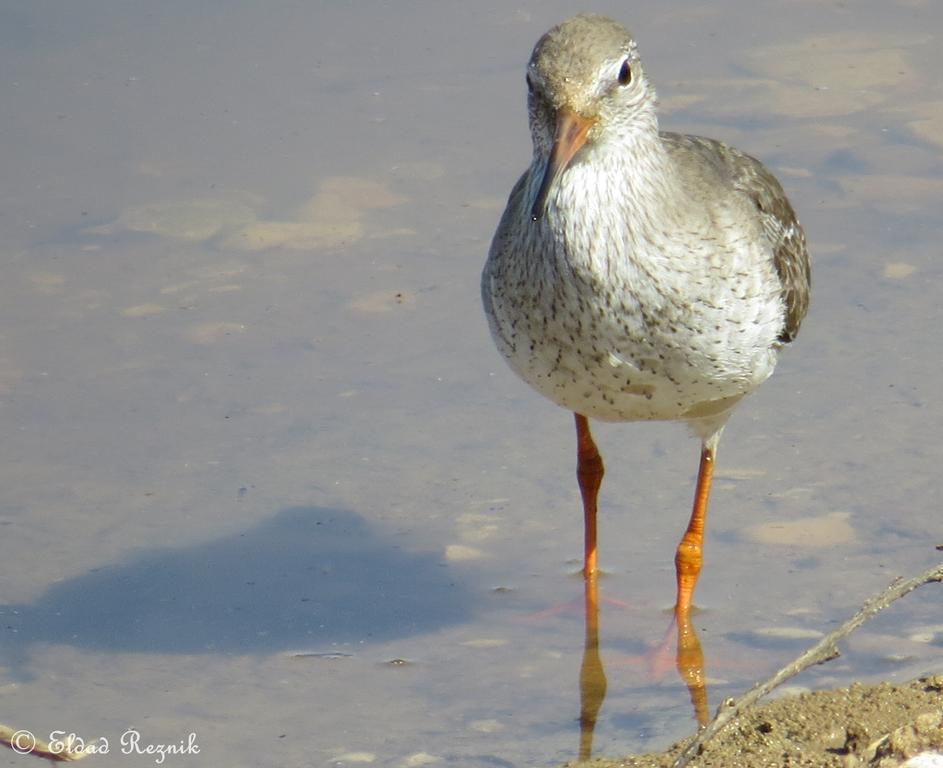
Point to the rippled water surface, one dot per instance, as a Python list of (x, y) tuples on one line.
[(264, 477)]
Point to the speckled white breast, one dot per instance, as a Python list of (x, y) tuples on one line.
[(618, 319)]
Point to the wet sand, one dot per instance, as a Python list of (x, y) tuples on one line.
[(861, 726)]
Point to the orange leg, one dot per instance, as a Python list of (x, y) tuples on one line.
[(589, 472), (689, 555)]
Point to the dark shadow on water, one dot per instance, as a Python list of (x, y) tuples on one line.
[(307, 578)]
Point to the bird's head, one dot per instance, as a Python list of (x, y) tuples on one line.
[(585, 86)]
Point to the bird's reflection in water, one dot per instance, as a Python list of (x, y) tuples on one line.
[(689, 661), (688, 658), (592, 673)]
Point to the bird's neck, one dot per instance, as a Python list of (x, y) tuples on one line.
[(625, 184)]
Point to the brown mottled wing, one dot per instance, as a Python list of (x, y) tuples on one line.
[(790, 254), (782, 228)]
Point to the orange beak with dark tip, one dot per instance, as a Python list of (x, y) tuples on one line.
[(569, 136)]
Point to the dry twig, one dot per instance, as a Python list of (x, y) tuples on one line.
[(825, 650), (23, 742)]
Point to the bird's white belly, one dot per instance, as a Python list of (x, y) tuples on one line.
[(611, 388), (608, 359)]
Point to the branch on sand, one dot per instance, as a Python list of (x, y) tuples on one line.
[(825, 650)]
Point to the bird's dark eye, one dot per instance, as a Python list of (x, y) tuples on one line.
[(625, 73)]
